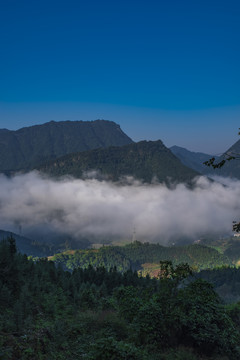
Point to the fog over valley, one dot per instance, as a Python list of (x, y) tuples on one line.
[(96, 209)]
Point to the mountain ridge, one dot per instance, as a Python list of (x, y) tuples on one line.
[(230, 168), (192, 159), (143, 160), (30, 146)]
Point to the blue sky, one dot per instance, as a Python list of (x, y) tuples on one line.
[(161, 69)]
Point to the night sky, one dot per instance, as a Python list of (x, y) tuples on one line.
[(164, 70)]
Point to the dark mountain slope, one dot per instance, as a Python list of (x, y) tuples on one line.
[(230, 168), (144, 160), (47, 246), (24, 245), (194, 160), (30, 146)]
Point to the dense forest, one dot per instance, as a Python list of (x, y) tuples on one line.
[(144, 160), (137, 254), (98, 314)]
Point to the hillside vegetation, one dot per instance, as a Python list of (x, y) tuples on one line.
[(145, 160), (30, 146), (95, 314), (136, 254)]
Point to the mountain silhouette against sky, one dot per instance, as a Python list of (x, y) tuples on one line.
[(194, 160), (31, 146), (77, 147)]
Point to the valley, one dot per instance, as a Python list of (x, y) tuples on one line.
[(119, 180), (114, 249)]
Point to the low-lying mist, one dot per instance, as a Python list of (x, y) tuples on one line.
[(100, 209)]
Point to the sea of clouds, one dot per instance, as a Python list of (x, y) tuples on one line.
[(94, 208)]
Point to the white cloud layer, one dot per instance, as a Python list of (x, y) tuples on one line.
[(103, 209)]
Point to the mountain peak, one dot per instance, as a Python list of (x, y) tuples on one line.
[(145, 160), (29, 146)]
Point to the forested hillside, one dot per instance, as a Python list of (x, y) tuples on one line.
[(136, 255), (229, 246), (95, 314), (30, 146), (146, 160)]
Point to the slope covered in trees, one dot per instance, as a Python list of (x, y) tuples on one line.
[(145, 160), (229, 246), (136, 254), (27, 147), (95, 314)]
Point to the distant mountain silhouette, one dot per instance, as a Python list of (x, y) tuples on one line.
[(144, 160), (30, 146), (24, 245), (51, 244), (230, 168), (194, 160)]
